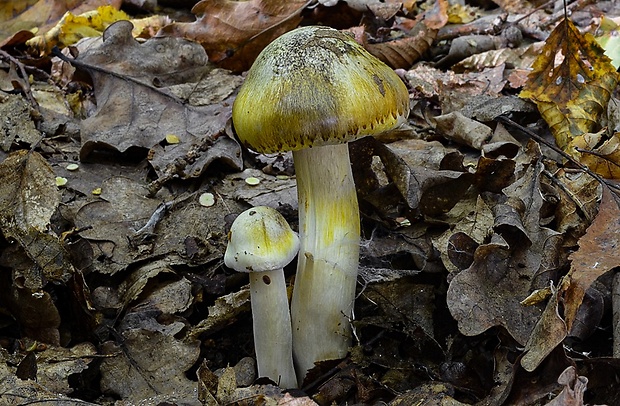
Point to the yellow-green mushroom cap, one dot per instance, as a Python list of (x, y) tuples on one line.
[(260, 240), (316, 86)]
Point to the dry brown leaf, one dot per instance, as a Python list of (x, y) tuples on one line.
[(571, 83), (508, 268), (125, 73), (147, 364), (35, 312), (549, 332), (28, 192), (28, 198), (17, 124), (519, 58), (575, 387), (598, 253), (234, 32), (56, 364), (402, 53), (463, 130)]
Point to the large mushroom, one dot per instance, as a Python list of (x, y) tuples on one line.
[(311, 91), (261, 243)]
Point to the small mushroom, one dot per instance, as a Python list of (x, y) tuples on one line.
[(311, 91), (262, 243)]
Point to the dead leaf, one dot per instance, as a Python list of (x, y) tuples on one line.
[(462, 13), (223, 312), (508, 268), (517, 58), (28, 192), (429, 393), (402, 53), (234, 32), (17, 125), (148, 363), (597, 254), (35, 312), (470, 45), (429, 190), (56, 364), (575, 387), (600, 152), (28, 198), (549, 332), (226, 386), (515, 6), (207, 384), (151, 113), (458, 244), (463, 130), (466, 92), (571, 83), (133, 285)]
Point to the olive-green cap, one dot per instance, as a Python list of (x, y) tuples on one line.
[(316, 86)]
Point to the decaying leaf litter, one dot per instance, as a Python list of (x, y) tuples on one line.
[(489, 221)]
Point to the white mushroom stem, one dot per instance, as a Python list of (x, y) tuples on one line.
[(272, 327), (329, 230)]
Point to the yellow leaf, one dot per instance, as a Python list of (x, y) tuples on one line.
[(71, 28), (462, 14), (601, 156), (571, 83)]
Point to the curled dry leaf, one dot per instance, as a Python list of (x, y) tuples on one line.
[(234, 32), (432, 191), (596, 255), (463, 130), (223, 312), (402, 53), (484, 295), (575, 387)]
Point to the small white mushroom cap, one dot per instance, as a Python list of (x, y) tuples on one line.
[(260, 240)]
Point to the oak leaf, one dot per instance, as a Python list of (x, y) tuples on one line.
[(234, 32)]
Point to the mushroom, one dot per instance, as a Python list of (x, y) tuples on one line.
[(261, 243), (311, 91)]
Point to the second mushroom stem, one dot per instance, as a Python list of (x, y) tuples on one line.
[(329, 229), (272, 339)]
